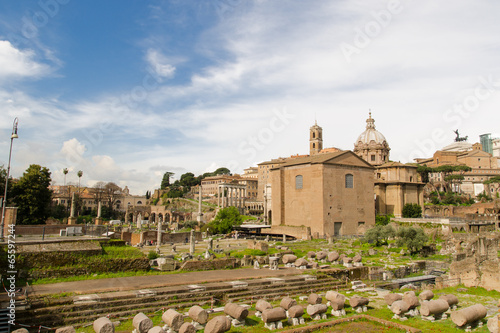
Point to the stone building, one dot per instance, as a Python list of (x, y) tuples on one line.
[(332, 193), (395, 183), (484, 166)]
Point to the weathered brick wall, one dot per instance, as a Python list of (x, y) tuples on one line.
[(205, 265), (180, 237)]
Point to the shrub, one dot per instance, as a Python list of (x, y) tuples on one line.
[(412, 210), (152, 255)]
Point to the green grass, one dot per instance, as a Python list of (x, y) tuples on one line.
[(123, 252)]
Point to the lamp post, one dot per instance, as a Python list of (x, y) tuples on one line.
[(12, 137)]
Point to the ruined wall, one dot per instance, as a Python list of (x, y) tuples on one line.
[(146, 236), (206, 265), (490, 278), (297, 232), (466, 271)]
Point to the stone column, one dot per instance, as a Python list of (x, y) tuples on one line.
[(158, 237), (98, 219), (218, 196), (191, 245), (138, 221), (200, 213), (72, 218)]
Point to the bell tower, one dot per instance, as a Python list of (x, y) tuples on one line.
[(315, 139)]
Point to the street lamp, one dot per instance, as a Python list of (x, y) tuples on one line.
[(12, 137)]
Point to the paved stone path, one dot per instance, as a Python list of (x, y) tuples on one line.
[(156, 281)]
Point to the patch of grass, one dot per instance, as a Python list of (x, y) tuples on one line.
[(248, 252), (123, 252)]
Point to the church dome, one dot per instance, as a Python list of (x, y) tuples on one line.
[(371, 134), (371, 145)]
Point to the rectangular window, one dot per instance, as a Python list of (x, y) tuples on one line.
[(373, 158), (298, 182), (349, 181)]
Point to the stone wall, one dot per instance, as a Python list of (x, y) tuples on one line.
[(297, 232), (206, 265), (151, 236), (466, 271), (96, 266)]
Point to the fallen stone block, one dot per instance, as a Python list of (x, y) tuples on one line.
[(434, 307), (273, 315), (451, 299), (317, 311), (287, 302), (142, 323), (301, 262), (187, 328), (198, 314), (337, 304), (296, 311), (262, 306), (67, 329), (399, 307), (173, 319), (493, 324), (357, 301), (412, 300), (289, 258), (236, 311), (103, 325), (156, 329), (321, 255), (311, 254), (426, 295), (314, 299), (391, 298), (333, 256), (469, 315), (218, 324), (333, 295)]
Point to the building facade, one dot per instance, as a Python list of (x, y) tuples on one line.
[(331, 193)]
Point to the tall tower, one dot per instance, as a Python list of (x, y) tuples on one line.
[(315, 139)]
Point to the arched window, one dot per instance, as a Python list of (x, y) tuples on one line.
[(314, 135), (314, 145), (298, 182), (139, 202), (349, 181)]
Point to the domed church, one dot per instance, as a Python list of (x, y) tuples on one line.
[(396, 184), (371, 145)]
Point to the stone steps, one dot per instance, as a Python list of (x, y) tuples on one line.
[(126, 304)]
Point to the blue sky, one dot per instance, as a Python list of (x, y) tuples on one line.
[(126, 90)]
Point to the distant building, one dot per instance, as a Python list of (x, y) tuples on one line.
[(484, 166)]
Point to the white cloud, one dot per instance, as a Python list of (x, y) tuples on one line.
[(160, 64), (15, 63)]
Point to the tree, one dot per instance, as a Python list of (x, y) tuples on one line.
[(165, 182), (221, 171), (225, 220), (148, 195), (65, 171), (379, 234), (413, 238), (32, 196), (111, 194), (79, 174), (412, 210)]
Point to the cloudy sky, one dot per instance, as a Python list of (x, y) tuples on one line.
[(126, 90)]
